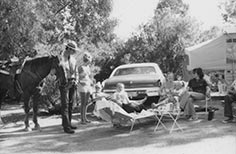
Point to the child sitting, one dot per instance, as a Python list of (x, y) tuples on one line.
[(99, 98), (98, 94), (121, 98)]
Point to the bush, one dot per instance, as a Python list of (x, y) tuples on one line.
[(51, 95)]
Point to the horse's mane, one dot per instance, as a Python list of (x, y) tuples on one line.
[(33, 63)]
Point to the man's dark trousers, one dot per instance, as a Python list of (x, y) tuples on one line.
[(228, 110)]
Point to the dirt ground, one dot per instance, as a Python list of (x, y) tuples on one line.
[(199, 137)]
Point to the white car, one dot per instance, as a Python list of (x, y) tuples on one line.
[(140, 79)]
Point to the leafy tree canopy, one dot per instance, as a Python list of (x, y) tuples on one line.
[(44, 25), (229, 11), (163, 39)]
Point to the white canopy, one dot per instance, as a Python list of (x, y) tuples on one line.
[(215, 54)]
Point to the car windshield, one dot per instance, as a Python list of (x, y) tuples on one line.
[(135, 70)]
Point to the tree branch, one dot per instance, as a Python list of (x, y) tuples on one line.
[(68, 3)]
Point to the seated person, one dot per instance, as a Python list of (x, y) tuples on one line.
[(118, 102), (98, 94), (170, 91), (229, 99), (180, 80), (197, 90), (121, 98), (222, 84)]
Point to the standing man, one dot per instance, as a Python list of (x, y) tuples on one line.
[(69, 65)]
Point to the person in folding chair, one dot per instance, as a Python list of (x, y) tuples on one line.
[(168, 104), (98, 95), (197, 90), (123, 106), (229, 99), (121, 98), (170, 92)]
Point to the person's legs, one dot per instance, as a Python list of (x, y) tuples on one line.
[(197, 96), (162, 102), (194, 96), (64, 111), (183, 100), (128, 108), (83, 101), (186, 103), (189, 109), (228, 111), (138, 102), (71, 102), (87, 95), (138, 108)]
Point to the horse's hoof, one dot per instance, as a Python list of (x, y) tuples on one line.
[(28, 129)]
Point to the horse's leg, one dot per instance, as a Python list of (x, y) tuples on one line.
[(35, 98), (2, 95), (1, 123), (0, 110), (27, 109)]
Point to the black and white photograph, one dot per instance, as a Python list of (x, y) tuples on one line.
[(117, 76)]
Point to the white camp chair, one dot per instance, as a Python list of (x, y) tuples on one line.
[(169, 110), (110, 111)]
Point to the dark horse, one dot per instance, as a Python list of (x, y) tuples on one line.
[(5, 85), (32, 73)]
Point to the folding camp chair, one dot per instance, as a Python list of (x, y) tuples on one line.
[(111, 112), (142, 115), (171, 111), (130, 117)]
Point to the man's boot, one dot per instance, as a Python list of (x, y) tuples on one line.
[(69, 130)]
